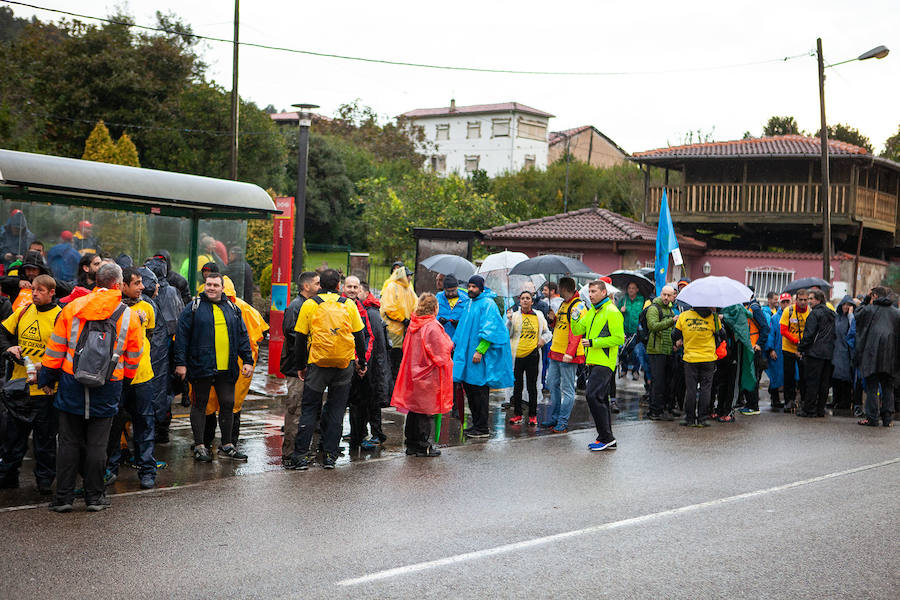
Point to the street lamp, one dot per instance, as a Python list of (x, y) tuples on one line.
[(305, 119), (877, 52)]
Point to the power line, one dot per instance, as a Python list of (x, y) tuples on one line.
[(410, 64)]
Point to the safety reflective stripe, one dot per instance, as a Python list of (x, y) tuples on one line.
[(54, 353), (73, 333), (132, 366), (124, 323), (129, 354), (55, 338)]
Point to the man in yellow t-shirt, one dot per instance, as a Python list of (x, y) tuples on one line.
[(136, 404), (24, 335), (696, 330), (329, 347), (793, 322)]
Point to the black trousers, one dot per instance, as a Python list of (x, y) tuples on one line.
[(880, 404), (15, 442), (479, 405), (225, 393), (597, 395), (842, 393), (678, 380), (417, 431), (661, 393), (365, 411), (209, 430), (396, 356), (723, 385), (337, 381), (82, 449), (696, 404), (790, 386), (818, 376), (525, 370)]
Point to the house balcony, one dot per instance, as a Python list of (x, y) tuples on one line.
[(775, 203)]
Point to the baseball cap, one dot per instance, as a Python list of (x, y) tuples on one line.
[(66, 235), (784, 296)]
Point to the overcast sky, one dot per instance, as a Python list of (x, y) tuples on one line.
[(685, 41)]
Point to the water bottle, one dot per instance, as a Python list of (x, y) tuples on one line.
[(30, 370)]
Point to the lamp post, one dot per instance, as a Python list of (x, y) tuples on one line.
[(305, 120), (877, 52)]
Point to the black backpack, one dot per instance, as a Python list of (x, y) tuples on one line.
[(643, 330), (99, 348)]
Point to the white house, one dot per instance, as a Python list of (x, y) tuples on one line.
[(495, 138)]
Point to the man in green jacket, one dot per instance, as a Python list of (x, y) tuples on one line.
[(660, 323), (603, 332)]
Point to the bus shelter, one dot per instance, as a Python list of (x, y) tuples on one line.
[(130, 210)]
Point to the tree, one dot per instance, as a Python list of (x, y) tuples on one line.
[(892, 147), (780, 126), (126, 152), (99, 146), (846, 133)]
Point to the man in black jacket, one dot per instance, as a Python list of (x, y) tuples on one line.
[(817, 348), (309, 287), (877, 356), (211, 335)]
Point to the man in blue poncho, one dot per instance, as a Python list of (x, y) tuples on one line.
[(451, 305), (482, 358)]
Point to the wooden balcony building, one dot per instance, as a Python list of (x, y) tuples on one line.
[(764, 193)]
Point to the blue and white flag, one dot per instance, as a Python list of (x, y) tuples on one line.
[(666, 243)]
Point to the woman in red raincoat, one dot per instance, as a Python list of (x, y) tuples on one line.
[(424, 384)]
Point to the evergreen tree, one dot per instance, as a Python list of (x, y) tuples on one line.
[(126, 152), (99, 146)]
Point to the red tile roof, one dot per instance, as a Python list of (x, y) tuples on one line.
[(763, 254), (782, 146), (559, 136), (474, 110), (585, 225)]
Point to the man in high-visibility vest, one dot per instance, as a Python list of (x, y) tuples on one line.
[(86, 413)]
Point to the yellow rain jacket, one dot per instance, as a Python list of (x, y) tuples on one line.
[(256, 326), (398, 301)]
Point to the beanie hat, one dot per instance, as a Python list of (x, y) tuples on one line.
[(477, 280), (450, 281)]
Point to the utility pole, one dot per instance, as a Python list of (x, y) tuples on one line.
[(824, 194), (305, 120), (235, 99), (566, 193)]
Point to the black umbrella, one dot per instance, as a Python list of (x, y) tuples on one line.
[(622, 278), (806, 283), (550, 264)]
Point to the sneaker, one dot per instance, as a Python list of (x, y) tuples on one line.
[(532, 421), (329, 462), (369, 444), (516, 420), (148, 482), (60, 507), (478, 434), (749, 411), (600, 446), (296, 464), (231, 452), (559, 429), (614, 406), (161, 464), (201, 454), (101, 504), (109, 477)]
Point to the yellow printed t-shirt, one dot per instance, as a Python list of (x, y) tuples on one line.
[(528, 338), (147, 315), (32, 329), (452, 301), (222, 345), (699, 336), (796, 323)]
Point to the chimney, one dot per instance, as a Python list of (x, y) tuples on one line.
[(452, 104)]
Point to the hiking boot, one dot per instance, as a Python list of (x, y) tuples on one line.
[(231, 452), (60, 507), (148, 482), (101, 503), (296, 464), (201, 454), (330, 461)]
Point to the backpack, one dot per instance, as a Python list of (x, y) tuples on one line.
[(99, 348), (331, 342), (643, 330)]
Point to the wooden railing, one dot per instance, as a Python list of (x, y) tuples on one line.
[(720, 201)]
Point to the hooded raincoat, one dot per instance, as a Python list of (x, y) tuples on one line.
[(15, 237), (877, 327), (425, 380), (482, 321), (735, 317), (844, 342), (398, 301), (775, 370)]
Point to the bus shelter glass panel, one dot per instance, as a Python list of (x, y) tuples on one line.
[(224, 242)]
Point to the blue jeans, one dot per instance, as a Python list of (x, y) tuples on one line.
[(561, 381)]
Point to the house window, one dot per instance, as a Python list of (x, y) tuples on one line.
[(442, 132), (472, 162), (499, 127), (768, 279), (575, 255), (533, 130), (473, 131), (529, 161), (439, 163)]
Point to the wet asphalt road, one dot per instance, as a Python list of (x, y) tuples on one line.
[(731, 511)]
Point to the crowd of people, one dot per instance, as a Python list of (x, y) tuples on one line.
[(126, 340)]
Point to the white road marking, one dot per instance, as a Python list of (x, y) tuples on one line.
[(541, 541)]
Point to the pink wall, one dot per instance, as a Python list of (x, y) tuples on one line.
[(735, 267)]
